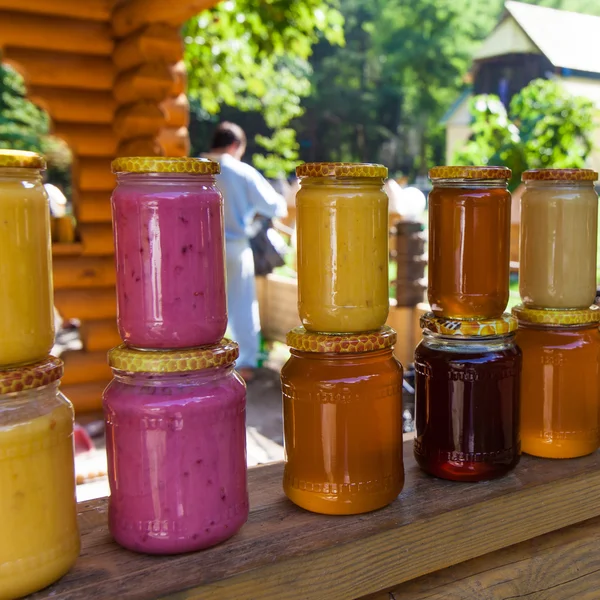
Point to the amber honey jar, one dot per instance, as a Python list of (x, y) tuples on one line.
[(467, 392), (560, 388), (469, 242), (342, 414)]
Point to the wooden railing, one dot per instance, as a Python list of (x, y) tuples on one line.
[(533, 531)]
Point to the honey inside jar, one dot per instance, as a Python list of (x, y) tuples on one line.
[(342, 416), (469, 242), (560, 388)]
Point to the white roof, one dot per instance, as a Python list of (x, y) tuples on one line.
[(569, 40)]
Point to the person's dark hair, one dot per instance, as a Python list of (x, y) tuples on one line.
[(226, 134)]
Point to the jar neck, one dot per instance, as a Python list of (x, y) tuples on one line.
[(467, 344), (165, 179), (561, 184), (33, 176), (180, 378), (347, 182), (383, 354), (472, 184)]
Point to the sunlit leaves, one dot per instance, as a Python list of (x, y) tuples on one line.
[(254, 56)]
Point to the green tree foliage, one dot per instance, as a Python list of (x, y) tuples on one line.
[(545, 127), (383, 95), (254, 56), (24, 126)]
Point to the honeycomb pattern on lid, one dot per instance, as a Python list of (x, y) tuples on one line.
[(340, 169), (161, 164), (471, 327), (470, 173), (548, 316), (21, 158), (352, 343), (132, 360), (560, 175), (29, 377)]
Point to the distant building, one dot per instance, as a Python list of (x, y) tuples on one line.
[(531, 42)]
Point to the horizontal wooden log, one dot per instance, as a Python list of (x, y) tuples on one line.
[(67, 249), (287, 553), (139, 120), (76, 106), (158, 42), (179, 74), (131, 16), (562, 565), (97, 10), (141, 146), (99, 303), (175, 141), (87, 139), (83, 272), (62, 70), (92, 207), (93, 174), (84, 367), (177, 111), (86, 397), (97, 239), (99, 335), (60, 34), (151, 81)]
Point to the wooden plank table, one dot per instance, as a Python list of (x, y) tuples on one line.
[(286, 553)]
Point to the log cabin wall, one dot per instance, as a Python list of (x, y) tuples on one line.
[(110, 75)]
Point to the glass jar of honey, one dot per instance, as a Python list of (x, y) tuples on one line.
[(559, 238), (40, 536), (176, 448), (469, 242), (467, 378), (169, 252), (342, 229), (342, 417), (560, 389), (26, 308)]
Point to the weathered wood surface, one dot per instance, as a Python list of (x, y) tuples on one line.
[(75, 106), (97, 239), (286, 553), (562, 565)]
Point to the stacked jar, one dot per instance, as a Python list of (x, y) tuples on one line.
[(175, 410), (342, 386), (558, 323), (40, 537), (468, 366)]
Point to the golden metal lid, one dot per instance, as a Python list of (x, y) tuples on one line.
[(352, 343), (469, 328), (22, 159), (547, 316), (469, 173), (340, 169), (164, 164), (560, 175), (131, 360), (29, 377)]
